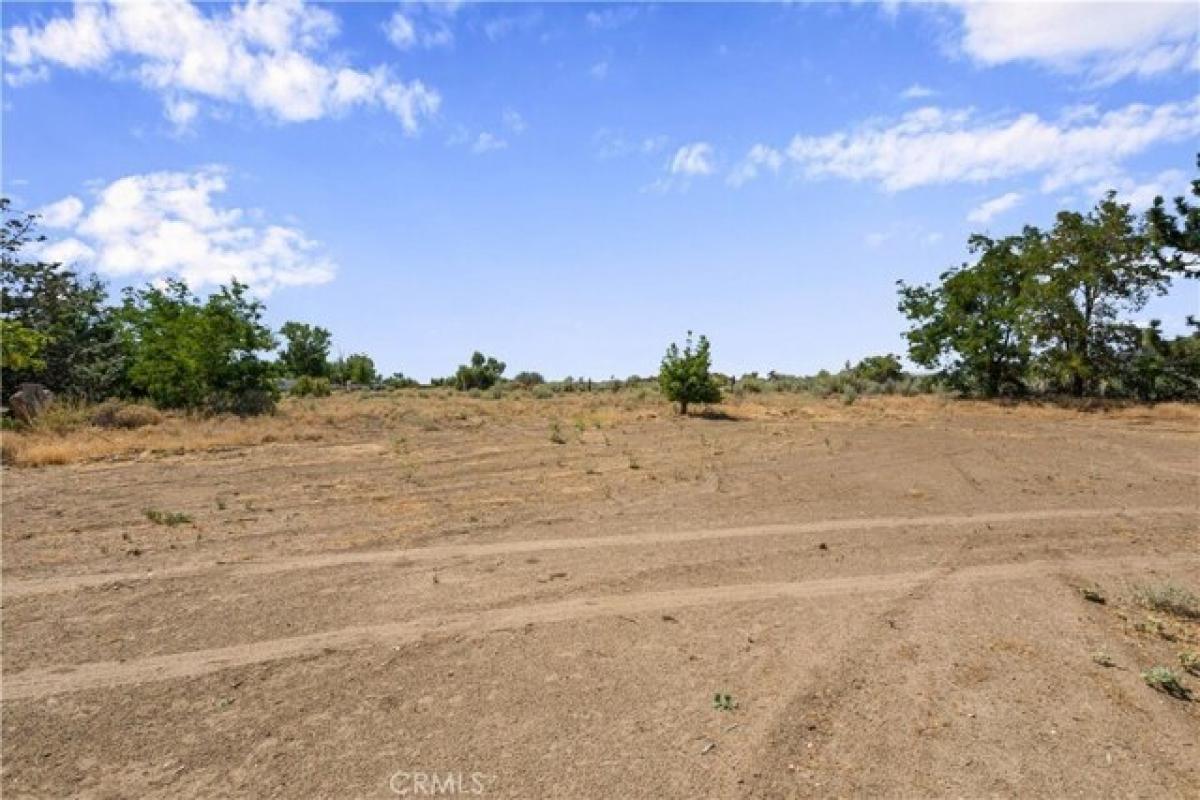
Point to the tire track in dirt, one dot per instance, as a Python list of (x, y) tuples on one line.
[(59, 679), (31, 586)]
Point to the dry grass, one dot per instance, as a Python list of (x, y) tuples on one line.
[(71, 433)]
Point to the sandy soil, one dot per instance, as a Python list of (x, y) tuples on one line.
[(889, 593)]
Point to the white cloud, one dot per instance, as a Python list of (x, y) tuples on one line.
[(180, 113), (270, 55), (938, 146), (503, 25), (984, 212), (599, 70), (62, 214), (614, 144), (1105, 41), (487, 142), (1140, 194), (611, 18), (917, 92), (418, 25), (514, 121), (166, 224), (760, 157), (67, 251), (876, 239), (400, 31), (693, 159)]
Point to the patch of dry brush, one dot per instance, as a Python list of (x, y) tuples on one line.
[(71, 434)]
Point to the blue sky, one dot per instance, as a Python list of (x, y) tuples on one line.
[(569, 187)]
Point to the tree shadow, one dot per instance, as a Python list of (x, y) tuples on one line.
[(715, 414)]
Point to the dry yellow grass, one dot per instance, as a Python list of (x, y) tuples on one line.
[(68, 435)]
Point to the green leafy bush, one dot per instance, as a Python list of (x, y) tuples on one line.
[(685, 375), (482, 373), (528, 379), (308, 386)]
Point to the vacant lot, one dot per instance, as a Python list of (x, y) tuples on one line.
[(541, 598)]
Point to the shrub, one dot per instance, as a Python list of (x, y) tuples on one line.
[(308, 386), (528, 379), (685, 377), (1169, 598), (244, 403), (168, 518), (399, 380), (543, 392), (482, 373), (118, 414), (879, 369), (1164, 680)]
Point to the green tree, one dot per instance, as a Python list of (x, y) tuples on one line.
[(879, 369), (482, 373), (1153, 367), (192, 354), (1100, 266), (685, 376), (975, 324), (1175, 237), (80, 352), (306, 351), (21, 347), (356, 368)]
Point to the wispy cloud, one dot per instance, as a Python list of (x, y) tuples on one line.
[(917, 92), (486, 142), (761, 157), (984, 212), (939, 146), (693, 159), (611, 18)]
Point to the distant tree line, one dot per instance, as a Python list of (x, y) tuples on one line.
[(1051, 312), (1039, 312)]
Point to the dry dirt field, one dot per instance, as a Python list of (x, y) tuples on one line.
[(370, 590)]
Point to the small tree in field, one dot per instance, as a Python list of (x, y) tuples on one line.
[(684, 376)]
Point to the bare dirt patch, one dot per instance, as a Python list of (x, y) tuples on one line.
[(890, 594)]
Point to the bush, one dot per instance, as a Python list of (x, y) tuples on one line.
[(482, 373), (117, 414), (307, 386), (1170, 598), (879, 369), (528, 379), (684, 376), (244, 403)]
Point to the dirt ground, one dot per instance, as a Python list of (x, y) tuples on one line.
[(415, 595)]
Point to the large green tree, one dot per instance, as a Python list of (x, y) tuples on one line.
[(78, 350), (975, 323), (188, 353), (685, 376), (1100, 268), (306, 349)]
